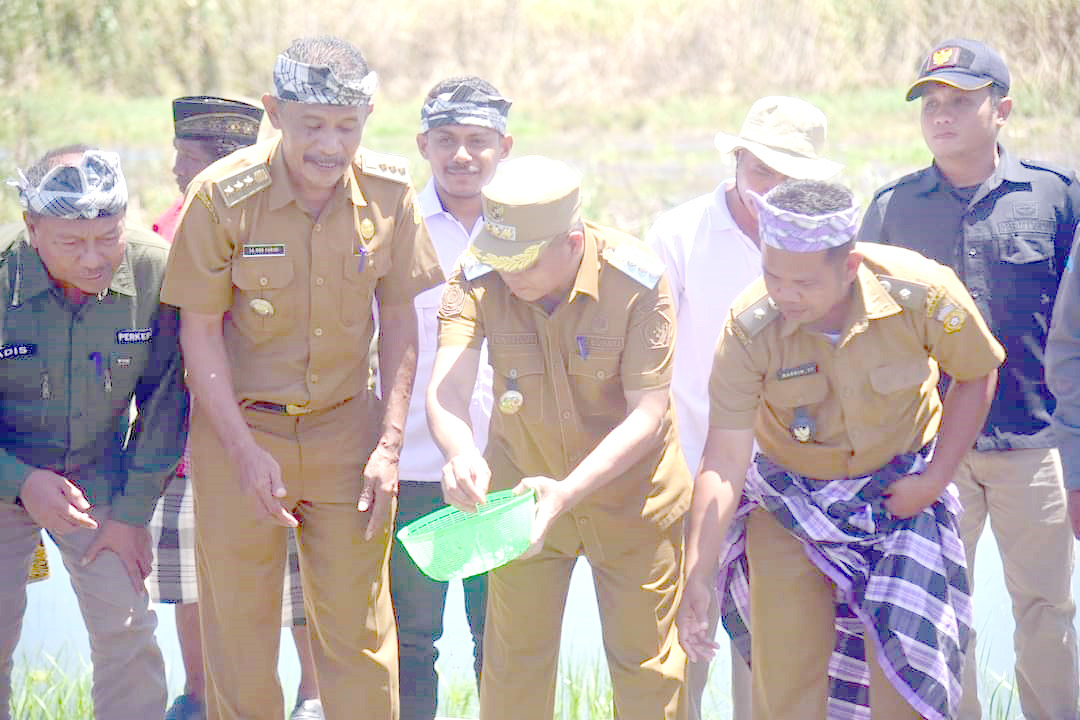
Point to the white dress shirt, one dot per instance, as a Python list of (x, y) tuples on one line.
[(709, 262)]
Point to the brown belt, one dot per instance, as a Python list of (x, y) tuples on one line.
[(290, 409)]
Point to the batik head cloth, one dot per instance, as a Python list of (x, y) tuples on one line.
[(793, 232), (318, 85), (94, 187), (466, 104)]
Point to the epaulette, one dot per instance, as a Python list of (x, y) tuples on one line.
[(388, 167), (755, 318), (239, 187), (911, 295), (471, 267), (916, 176), (1064, 173), (635, 261)]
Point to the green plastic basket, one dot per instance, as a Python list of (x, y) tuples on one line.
[(450, 543)]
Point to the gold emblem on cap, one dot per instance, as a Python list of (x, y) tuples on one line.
[(367, 229), (496, 212), (261, 307), (510, 402), (942, 56)]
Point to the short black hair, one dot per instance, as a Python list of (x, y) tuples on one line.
[(342, 57), (815, 197)]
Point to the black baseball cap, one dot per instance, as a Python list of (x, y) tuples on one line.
[(963, 64)]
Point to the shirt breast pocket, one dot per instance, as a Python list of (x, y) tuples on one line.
[(522, 372), (888, 380), (360, 272), (806, 391), (595, 380), (262, 306)]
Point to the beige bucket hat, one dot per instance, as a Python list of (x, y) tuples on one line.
[(787, 134)]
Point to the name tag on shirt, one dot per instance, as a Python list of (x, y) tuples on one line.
[(126, 337), (263, 250), (8, 352)]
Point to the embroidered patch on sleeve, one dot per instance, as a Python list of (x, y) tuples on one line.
[(453, 301), (658, 331)]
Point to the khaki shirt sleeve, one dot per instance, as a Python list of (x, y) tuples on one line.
[(459, 322), (955, 332), (735, 384), (649, 349), (198, 276), (414, 264)]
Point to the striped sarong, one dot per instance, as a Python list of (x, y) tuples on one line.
[(903, 581)]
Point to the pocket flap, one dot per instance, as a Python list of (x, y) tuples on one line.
[(798, 391), (897, 376), (265, 273), (594, 366)]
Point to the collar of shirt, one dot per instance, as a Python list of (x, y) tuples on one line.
[(1008, 170), (869, 301), (281, 190), (32, 278), (430, 205), (588, 276)]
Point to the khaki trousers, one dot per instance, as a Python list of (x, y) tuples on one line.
[(697, 676), (1022, 493), (129, 673), (241, 563), (792, 611), (637, 570)]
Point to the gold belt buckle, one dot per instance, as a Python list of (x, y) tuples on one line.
[(297, 409)]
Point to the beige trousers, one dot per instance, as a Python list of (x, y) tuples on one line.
[(792, 635), (1022, 494), (637, 570), (129, 673), (241, 563)]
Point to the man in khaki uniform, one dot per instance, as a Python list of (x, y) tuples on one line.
[(274, 265), (580, 331), (847, 517)]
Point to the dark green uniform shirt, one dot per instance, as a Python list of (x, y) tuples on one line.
[(70, 372)]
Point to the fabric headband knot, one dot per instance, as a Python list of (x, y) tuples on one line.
[(793, 232), (93, 188), (318, 85), (466, 105)]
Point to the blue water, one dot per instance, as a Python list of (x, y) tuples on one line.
[(53, 626)]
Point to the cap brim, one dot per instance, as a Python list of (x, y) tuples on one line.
[(794, 166), (506, 255), (958, 80)]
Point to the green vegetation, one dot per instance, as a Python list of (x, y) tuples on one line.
[(583, 692)]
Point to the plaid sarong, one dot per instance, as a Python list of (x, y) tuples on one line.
[(903, 580), (173, 575)]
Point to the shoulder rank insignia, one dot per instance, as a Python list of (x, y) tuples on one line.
[(388, 167), (908, 294), (638, 263), (471, 267), (755, 318), (239, 187)]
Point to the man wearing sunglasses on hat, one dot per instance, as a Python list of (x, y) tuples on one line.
[(82, 336), (282, 248)]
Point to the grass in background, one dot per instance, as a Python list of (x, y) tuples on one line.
[(49, 692)]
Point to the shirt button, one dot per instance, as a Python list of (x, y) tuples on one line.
[(317, 227), (601, 374), (264, 281), (314, 377), (973, 252), (318, 332), (320, 281), (566, 415), (974, 294)]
